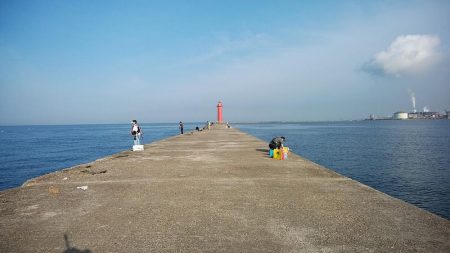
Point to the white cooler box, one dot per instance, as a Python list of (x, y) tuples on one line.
[(138, 147)]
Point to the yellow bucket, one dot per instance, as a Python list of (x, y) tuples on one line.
[(277, 154), (280, 154)]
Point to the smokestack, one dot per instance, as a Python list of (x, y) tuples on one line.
[(413, 100)]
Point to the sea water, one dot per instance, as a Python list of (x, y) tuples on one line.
[(409, 160), (30, 151)]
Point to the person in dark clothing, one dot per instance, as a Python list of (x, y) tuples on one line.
[(181, 128), (277, 142)]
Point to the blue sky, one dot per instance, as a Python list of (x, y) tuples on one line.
[(72, 62)]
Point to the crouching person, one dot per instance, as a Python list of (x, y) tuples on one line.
[(276, 142)]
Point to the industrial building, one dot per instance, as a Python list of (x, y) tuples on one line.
[(425, 115), (400, 115)]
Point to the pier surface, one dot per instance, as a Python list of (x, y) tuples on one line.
[(210, 191)]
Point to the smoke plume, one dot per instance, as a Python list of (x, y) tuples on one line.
[(413, 99)]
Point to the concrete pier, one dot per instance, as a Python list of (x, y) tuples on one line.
[(214, 191)]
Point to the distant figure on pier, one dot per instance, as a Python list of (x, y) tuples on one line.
[(181, 128), (208, 124), (136, 132)]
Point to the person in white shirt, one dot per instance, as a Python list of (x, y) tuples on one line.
[(136, 132)]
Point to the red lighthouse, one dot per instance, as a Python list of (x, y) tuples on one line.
[(219, 112)]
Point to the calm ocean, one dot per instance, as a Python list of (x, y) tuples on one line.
[(30, 151), (409, 160)]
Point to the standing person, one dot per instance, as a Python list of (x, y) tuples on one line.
[(181, 127), (136, 132), (208, 124)]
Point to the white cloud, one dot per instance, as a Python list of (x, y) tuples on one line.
[(408, 54)]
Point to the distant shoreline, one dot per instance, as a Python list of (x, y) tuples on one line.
[(230, 122)]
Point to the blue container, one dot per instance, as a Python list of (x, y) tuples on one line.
[(270, 153)]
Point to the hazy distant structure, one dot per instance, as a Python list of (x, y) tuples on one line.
[(219, 112), (425, 115), (400, 115), (414, 114)]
